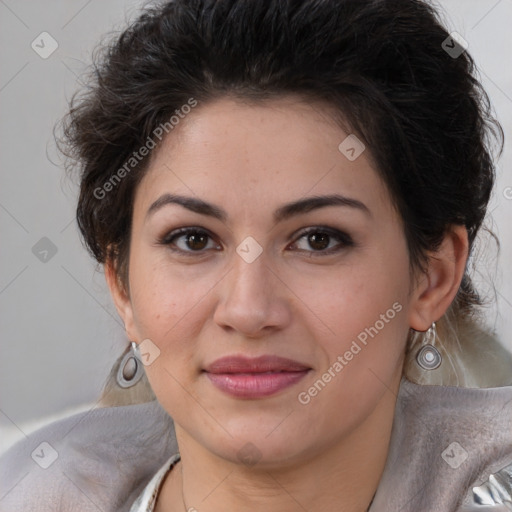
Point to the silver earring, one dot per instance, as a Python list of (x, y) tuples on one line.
[(130, 368), (428, 357)]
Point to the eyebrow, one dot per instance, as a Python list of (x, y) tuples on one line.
[(284, 212)]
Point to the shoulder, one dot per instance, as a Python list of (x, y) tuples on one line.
[(446, 442), (96, 460)]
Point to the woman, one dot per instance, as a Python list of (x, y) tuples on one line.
[(284, 196)]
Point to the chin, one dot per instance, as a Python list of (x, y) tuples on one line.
[(261, 443)]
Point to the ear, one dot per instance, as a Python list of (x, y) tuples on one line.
[(121, 298), (435, 290)]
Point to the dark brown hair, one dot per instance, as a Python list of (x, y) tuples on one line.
[(382, 65)]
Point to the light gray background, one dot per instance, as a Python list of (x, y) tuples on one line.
[(59, 331)]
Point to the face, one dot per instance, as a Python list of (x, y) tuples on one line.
[(278, 325)]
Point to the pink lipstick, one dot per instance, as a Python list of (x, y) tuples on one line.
[(258, 377)]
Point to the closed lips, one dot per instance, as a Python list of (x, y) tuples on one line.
[(260, 377), (262, 364)]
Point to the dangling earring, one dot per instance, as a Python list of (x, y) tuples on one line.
[(130, 368), (428, 357)]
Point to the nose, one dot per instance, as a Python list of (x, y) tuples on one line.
[(253, 300)]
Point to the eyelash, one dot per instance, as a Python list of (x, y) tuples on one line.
[(343, 238)]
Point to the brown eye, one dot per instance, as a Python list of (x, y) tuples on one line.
[(188, 241), (196, 240), (320, 239)]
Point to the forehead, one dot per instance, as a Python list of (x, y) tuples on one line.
[(262, 152)]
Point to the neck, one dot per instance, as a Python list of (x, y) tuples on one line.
[(343, 477)]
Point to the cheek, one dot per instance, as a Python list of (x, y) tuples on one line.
[(167, 309), (348, 299), (361, 314), (163, 299)]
